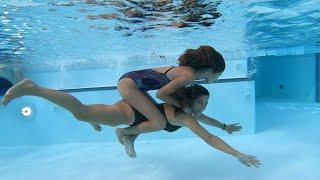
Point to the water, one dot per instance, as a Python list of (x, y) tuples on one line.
[(288, 150), (103, 30), (88, 44)]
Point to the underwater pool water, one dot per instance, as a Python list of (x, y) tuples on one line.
[(270, 86)]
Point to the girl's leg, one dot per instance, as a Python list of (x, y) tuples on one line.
[(136, 98), (112, 115)]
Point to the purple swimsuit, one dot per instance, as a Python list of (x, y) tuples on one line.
[(148, 79)]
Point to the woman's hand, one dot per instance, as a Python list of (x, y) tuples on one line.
[(233, 127), (248, 160)]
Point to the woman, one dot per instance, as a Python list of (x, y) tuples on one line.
[(122, 113), (202, 63)]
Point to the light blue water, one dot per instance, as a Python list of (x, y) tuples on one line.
[(286, 144), (66, 45)]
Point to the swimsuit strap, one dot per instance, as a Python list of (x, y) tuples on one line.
[(169, 69)]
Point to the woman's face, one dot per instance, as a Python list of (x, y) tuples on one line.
[(199, 104), (212, 76)]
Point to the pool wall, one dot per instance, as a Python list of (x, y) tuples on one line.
[(286, 77)]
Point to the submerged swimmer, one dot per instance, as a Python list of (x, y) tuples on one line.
[(196, 98), (121, 113)]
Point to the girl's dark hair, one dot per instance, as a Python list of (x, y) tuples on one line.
[(203, 57), (188, 94)]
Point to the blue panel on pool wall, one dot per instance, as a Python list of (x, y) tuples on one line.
[(286, 77)]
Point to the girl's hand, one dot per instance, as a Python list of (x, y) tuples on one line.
[(248, 160), (233, 127)]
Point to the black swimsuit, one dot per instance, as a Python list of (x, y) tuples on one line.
[(139, 118)]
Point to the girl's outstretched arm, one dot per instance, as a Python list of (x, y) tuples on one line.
[(218, 143)]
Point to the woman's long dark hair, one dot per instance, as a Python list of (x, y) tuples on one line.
[(187, 95), (203, 57)]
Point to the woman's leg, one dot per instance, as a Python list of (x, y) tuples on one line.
[(96, 114), (137, 99), (112, 115)]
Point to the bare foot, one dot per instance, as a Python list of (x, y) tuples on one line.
[(129, 146), (97, 127), (22, 88), (119, 135)]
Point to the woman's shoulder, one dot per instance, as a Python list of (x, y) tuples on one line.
[(185, 69), (183, 72), (182, 116)]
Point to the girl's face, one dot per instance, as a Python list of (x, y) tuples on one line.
[(212, 76), (199, 104)]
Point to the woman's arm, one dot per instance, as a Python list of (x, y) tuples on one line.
[(165, 92), (219, 144), (214, 122), (210, 139), (210, 121)]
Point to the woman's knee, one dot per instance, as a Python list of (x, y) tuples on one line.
[(81, 113), (126, 87), (122, 85)]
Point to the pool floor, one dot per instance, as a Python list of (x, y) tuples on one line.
[(287, 143)]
